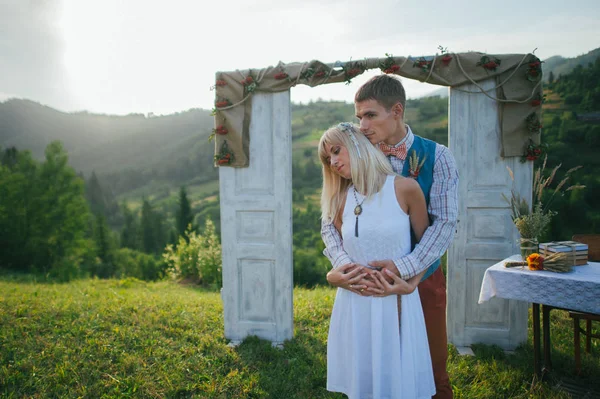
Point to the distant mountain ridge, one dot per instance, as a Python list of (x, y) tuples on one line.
[(561, 66)]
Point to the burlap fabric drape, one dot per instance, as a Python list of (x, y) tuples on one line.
[(518, 91)]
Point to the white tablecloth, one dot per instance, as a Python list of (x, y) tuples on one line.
[(576, 290)]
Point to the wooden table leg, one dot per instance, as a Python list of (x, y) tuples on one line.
[(546, 329), (535, 307), (577, 344), (588, 336)]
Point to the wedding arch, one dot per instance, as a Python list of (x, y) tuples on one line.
[(494, 120)]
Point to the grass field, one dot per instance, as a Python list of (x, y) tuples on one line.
[(113, 339)]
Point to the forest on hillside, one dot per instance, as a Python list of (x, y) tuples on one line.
[(571, 132)]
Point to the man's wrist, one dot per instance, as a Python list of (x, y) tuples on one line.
[(407, 266), (341, 260)]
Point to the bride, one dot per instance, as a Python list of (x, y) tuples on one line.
[(377, 345)]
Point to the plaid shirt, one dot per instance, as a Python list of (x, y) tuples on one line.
[(443, 211)]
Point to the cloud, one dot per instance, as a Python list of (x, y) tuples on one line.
[(31, 52)]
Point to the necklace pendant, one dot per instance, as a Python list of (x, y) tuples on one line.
[(357, 210)]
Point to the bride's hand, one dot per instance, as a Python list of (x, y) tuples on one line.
[(350, 277), (385, 264), (385, 288)]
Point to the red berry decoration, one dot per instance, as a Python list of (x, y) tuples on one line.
[(392, 69), (532, 151), (281, 76), (446, 59), (389, 65), (422, 63), (225, 155), (534, 70), (489, 63)]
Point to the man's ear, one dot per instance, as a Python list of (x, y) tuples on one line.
[(398, 110)]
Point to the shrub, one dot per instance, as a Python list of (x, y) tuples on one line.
[(310, 267), (209, 257), (196, 257), (131, 263)]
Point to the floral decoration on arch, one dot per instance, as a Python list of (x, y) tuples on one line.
[(222, 103), (446, 57), (249, 84), (538, 100), (533, 151), (389, 64), (219, 83), (351, 70), (220, 130), (281, 75), (225, 156), (534, 70), (312, 72), (489, 63), (423, 64), (533, 123)]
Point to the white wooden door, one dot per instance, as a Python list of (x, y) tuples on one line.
[(256, 228), (485, 232)]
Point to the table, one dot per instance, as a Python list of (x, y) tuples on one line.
[(576, 290)]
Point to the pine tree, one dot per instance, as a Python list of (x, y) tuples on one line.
[(95, 195), (184, 215), (130, 231), (18, 190), (104, 247), (152, 229), (148, 236)]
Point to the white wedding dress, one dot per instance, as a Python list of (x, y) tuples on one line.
[(370, 353)]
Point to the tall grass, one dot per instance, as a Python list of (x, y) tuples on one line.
[(127, 338)]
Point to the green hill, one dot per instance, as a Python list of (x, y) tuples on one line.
[(137, 155), (126, 152), (572, 135)]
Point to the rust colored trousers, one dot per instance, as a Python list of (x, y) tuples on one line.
[(433, 299)]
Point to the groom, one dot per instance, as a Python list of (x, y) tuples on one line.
[(379, 105)]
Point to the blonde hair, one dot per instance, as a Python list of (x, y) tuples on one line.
[(368, 168)]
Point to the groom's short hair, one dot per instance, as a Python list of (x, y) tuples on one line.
[(384, 89)]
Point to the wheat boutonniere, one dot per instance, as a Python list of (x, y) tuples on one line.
[(415, 164)]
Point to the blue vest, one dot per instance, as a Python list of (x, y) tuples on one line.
[(425, 150)]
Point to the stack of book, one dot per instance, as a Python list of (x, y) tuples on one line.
[(576, 250)]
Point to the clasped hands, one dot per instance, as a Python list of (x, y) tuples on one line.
[(368, 282)]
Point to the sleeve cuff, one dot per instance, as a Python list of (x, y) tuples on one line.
[(341, 260), (408, 266)]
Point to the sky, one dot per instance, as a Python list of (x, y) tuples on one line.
[(149, 56)]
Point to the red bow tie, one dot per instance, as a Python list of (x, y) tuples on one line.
[(398, 152)]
